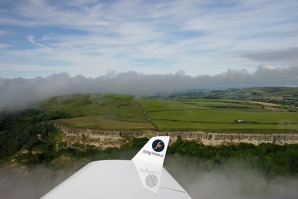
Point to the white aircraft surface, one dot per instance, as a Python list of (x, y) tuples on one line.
[(142, 177)]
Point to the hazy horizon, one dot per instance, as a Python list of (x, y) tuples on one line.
[(17, 93), (50, 48)]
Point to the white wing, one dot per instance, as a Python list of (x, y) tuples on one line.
[(143, 177)]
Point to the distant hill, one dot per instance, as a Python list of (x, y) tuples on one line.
[(272, 94), (279, 95), (28, 137), (250, 110)]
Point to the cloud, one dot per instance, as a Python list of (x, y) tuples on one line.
[(23, 183), (271, 73), (281, 56), (19, 92), (146, 36), (4, 46), (233, 180), (31, 39), (2, 32)]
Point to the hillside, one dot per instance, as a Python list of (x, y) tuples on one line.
[(287, 96), (215, 111), (107, 112), (28, 137)]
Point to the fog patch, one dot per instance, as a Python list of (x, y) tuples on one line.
[(234, 183), (200, 178), (233, 179), (19, 93), (21, 182), (35, 181)]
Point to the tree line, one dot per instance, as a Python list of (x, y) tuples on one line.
[(271, 158), (26, 138)]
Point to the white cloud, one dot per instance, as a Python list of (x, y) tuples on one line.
[(31, 39), (18, 93), (200, 37), (285, 56), (3, 32), (4, 46)]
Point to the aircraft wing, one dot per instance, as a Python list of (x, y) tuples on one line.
[(142, 177)]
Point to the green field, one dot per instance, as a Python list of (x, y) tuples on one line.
[(97, 122), (82, 105), (122, 112), (219, 116), (108, 112)]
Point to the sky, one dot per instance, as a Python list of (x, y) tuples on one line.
[(53, 47), (94, 38)]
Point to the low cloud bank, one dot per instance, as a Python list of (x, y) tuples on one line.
[(278, 56), (19, 92), (233, 180), (18, 183)]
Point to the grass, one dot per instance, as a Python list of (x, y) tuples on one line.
[(97, 122), (219, 115), (225, 127), (227, 116), (265, 104), (82, 105), (123, 112), (109, 112), (161, 105), (224, 104)]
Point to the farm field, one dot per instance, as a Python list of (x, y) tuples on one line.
[(109, 104), (97, 122), (107, 112), (122, 112), (219, 116)]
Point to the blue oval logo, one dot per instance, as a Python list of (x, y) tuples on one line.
[(158, 145)]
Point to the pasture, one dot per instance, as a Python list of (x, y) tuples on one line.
[(122, 112), (108, 112), (219, 116)]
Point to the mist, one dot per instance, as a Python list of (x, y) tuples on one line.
[(19, 93), (20, 182), (232, 180)]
